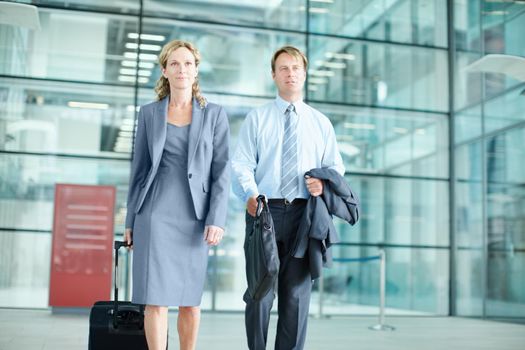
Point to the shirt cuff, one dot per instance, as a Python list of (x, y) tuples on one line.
[(250, 193)]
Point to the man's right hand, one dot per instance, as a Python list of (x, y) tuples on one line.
[(251, 205), (128, 237)]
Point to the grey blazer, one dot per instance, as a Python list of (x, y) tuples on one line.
[(208, 159), (316, 231)]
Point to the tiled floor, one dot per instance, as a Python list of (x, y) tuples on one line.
[(39, 329)]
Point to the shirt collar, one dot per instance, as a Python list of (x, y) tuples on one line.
[(282, 105)]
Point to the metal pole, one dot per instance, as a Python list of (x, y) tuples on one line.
[(214, 280), (452, 292), (382, 277), (321, 296), (382, 287)]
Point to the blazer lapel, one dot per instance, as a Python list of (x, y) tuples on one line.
[(160, 120), (197, 121)]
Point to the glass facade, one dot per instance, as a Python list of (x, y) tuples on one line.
[(431, 147), (489, 129)]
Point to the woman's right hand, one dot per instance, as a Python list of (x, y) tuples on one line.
[(128, 237)]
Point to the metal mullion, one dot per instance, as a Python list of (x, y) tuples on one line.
[(484, 185), (62, 155), (452, 306)]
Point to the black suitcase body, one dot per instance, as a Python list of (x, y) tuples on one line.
[(120, 329)]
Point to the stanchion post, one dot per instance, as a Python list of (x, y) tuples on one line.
[(382, 284), (321, 297)]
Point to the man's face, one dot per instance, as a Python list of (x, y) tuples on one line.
[(289, 75)]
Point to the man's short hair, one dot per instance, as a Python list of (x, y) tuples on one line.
[(292, 51)]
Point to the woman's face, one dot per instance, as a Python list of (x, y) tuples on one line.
[(181, 69)]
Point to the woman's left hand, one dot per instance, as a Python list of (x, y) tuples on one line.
[(213, 234)]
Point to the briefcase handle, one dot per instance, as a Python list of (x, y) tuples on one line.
[(262, 204)]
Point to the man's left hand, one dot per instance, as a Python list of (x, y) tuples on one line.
[(314, 186)]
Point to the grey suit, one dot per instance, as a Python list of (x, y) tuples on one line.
[(179, 183), (208, 160)]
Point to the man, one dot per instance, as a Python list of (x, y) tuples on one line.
[(278, 143)]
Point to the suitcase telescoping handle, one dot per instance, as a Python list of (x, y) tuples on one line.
[(117, 246)]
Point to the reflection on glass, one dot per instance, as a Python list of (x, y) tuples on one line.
[(505, 110), (466, 25), (469, 282), (499, 23), (28, 186), (467, 84), (69, 46), (282, 14), (398, 211), (416, 282), (234, 61), (505, 234), (24, 278), (467, 124), (348, 71), (489, 284), (390, 142), (469, 174), (409, 21), (469, 230), (123, 6), (67, 118)]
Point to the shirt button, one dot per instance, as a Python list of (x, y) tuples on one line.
[(189, 176)]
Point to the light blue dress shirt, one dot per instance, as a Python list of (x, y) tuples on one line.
[(256, 162)]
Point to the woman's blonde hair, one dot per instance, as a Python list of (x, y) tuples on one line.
[(163, 86)]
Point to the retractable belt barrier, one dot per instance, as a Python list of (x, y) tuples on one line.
[(381, 326), (366, 258)]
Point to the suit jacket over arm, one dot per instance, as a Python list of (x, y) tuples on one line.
[(317, 231)]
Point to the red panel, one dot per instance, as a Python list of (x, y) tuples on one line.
[(82, 253)]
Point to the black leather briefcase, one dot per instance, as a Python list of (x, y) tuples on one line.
[(260, 249)]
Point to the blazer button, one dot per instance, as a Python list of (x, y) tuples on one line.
[(189, 176)]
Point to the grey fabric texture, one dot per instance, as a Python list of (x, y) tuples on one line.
[(170, 255), (317, 231)]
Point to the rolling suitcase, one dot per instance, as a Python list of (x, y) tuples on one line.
[(116, 324)]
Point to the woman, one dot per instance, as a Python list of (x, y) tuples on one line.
[(178, 194)]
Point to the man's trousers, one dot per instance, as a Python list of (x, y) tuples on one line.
[(294, 285)]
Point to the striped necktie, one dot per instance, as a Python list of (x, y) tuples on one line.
[(289, 179)]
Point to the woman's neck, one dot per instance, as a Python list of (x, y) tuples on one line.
[(180, 98)]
